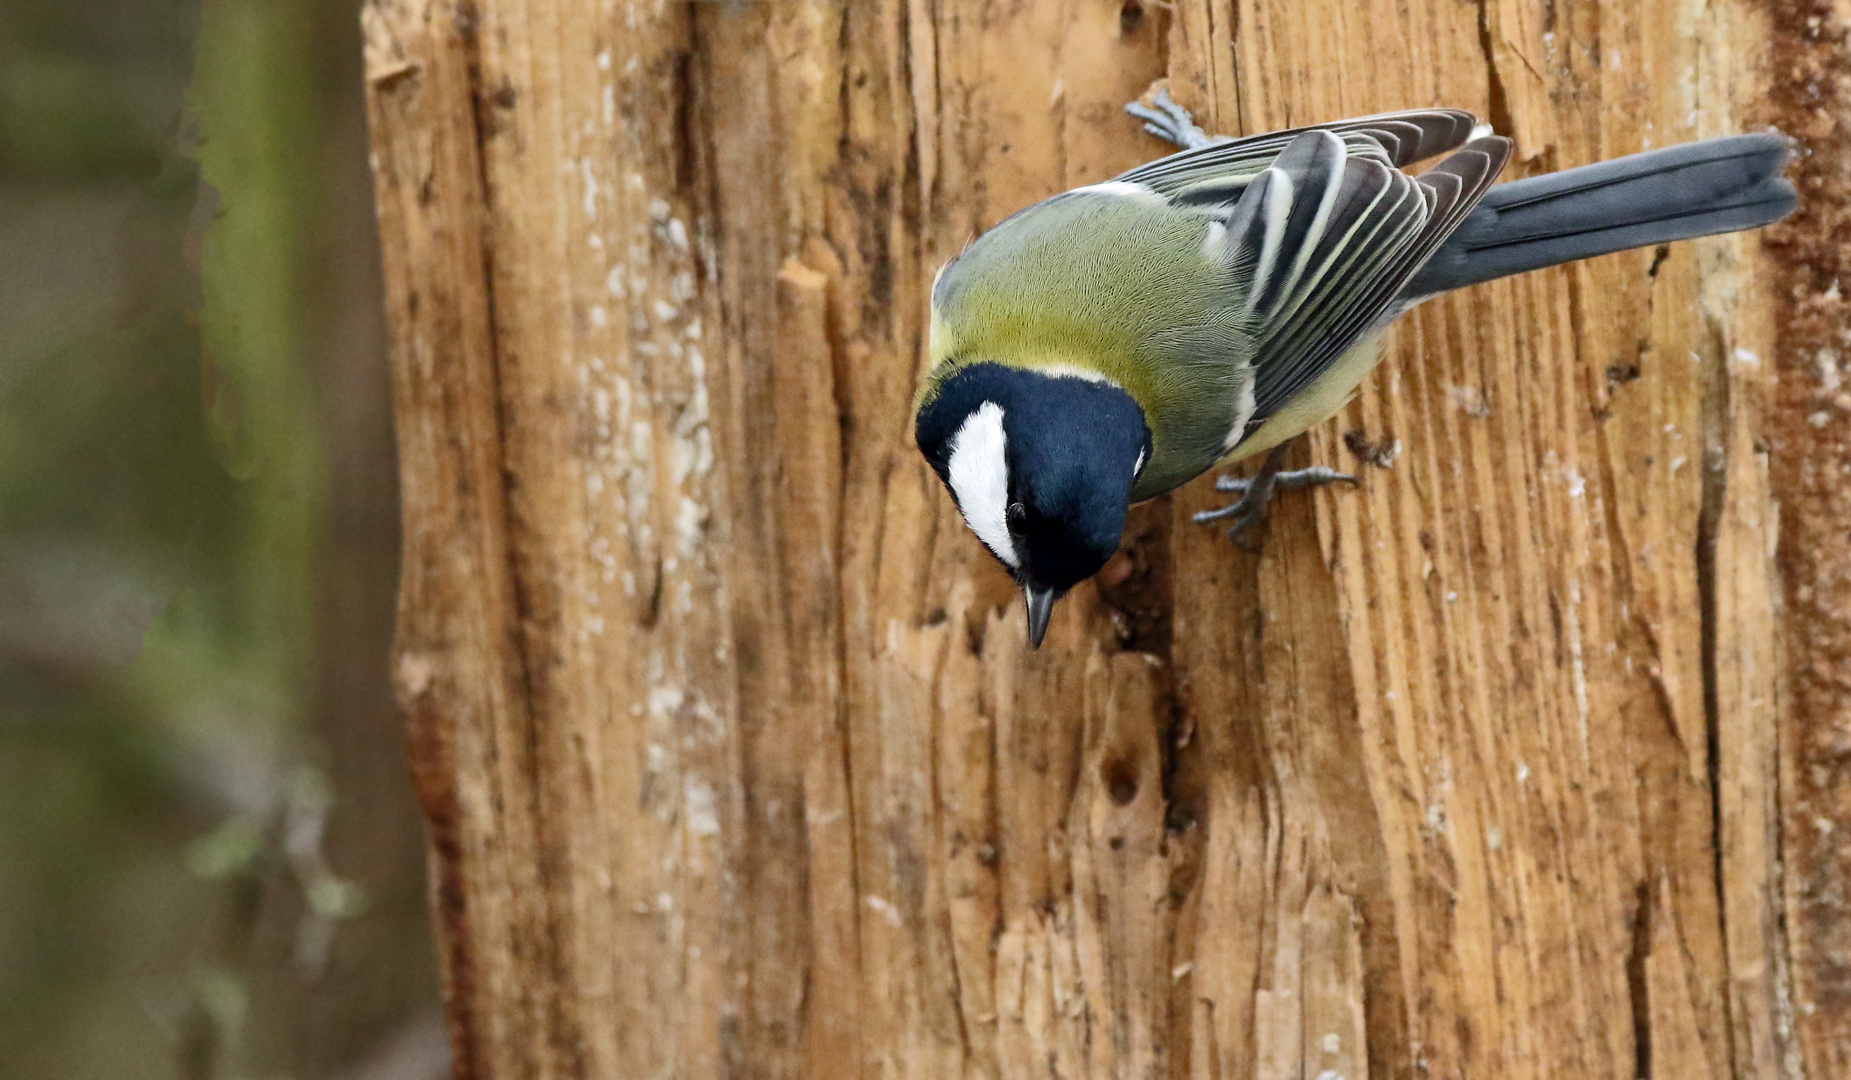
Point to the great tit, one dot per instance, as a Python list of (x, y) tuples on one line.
[(1105, 345)]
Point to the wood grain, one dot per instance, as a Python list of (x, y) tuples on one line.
[(735, 760)]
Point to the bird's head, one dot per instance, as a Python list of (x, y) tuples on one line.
[(1041, 465)]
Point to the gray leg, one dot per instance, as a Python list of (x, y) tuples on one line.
[(1172, 123), (1250, 509)]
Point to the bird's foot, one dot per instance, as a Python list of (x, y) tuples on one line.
[(1314, 476), (1256, 492), (1172, 123)]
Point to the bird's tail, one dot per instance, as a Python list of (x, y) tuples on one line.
[(1697, 189)]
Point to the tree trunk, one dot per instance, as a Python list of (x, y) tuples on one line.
[(1520, 760)]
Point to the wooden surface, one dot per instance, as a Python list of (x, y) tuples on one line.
[(1519, 761)]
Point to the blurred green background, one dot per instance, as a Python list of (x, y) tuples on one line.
[(210, 863)]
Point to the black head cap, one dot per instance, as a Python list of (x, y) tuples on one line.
[(1041, 467)]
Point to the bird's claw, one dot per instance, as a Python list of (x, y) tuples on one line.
[(1256, 492), (1172, 123), (1245, 512), (1313, 476)]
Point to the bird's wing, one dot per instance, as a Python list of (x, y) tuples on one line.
[(1397, 138), (1320, 237)]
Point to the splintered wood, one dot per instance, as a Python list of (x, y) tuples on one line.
[(735, 760)]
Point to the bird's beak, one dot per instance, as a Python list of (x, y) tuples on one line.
[(1040, 606)]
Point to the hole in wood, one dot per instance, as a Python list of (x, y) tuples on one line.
[(1121, 779), (1129, 16)]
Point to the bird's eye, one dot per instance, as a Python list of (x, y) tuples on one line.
[(1017, 516)]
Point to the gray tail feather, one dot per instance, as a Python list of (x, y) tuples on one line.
[(1697, 189)]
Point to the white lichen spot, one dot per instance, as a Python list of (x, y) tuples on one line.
[(622, 386), (678, 234), (613, 283), (1331, 1043), (703, 816), (610, 105), (1470, 400), (1577, 484), (658, 208), (690, 522), (664, 310), (885, 910), (604, 60), (681, 287), (1819, 419), (416, 672), (1523, 772), (1494, 839), (1746, 358), (665, 701), (600, 318), (694, 414), (684, 598), (708, 725), (680, 460), (591, 190)]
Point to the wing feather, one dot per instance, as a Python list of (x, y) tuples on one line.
[(1399, 138), (1340, 310), (1319, 230)]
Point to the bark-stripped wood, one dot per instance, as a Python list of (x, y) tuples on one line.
[(734, 757)]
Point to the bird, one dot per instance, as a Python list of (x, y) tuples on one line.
[(1108, 344)]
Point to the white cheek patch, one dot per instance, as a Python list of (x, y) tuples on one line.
[(979, 476)]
